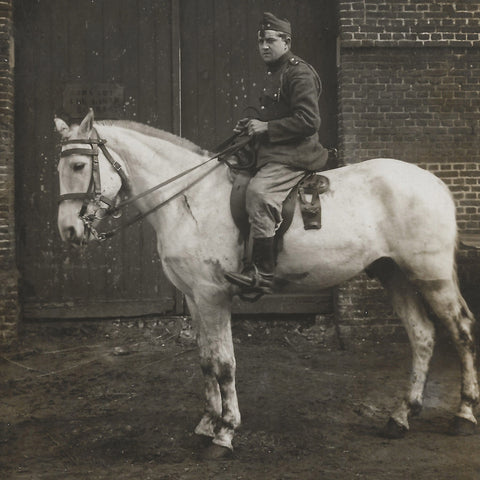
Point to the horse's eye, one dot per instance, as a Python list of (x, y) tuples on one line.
[(77, 167)]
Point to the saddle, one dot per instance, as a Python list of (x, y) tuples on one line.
[(307, 192)]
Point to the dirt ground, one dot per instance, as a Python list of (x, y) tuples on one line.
[(120, 400)]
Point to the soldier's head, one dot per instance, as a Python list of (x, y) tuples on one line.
[(274, 37)]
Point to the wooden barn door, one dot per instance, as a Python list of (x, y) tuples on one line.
[(114, 55), (186, 66), (222, 74)]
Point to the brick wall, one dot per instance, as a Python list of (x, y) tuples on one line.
[(9, 305), (415, 104), (409, 88), (463, 180), (400, 23)]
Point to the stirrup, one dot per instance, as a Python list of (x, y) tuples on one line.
[(253, 281)]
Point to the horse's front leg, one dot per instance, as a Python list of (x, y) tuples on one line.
[(213, 400), (217, 360)]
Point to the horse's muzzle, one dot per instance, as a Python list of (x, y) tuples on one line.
[(73, 232)]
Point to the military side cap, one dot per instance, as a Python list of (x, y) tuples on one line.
[(270, 22)]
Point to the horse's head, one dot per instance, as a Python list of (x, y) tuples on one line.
[(89, 180)]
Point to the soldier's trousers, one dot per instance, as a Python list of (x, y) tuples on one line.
[(265, 195)]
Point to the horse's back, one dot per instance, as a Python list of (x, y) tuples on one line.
[(395, 192)]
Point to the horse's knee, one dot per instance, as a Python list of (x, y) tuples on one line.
[(223, 371)]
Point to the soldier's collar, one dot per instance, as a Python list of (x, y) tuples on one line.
[(275, 66)]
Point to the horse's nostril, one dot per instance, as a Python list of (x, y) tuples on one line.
[(70, 234)]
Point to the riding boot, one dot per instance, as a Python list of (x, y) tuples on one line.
[(257, 277)]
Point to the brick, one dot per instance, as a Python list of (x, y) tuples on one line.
[(9, 302)]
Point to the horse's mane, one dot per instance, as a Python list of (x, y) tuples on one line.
[(155, 132)]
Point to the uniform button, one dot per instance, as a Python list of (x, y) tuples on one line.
[(262, 108), (265, 89), (269, 72)]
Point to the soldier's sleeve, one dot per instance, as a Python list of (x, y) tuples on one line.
[(302, 88)]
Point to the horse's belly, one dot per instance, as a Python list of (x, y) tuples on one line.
[(314, 266)]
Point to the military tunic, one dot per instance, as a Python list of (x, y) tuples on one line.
[(289, 103)]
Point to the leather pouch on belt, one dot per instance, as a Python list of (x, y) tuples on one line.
[(309, 191)]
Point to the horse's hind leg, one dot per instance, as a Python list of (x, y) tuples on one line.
[(408, 305), (449, 306)]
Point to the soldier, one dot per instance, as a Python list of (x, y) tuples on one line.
[(288, 145)]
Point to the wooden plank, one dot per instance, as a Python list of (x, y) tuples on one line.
[(176, 105), (112, 57), (99, 275), (243, 46), (100, 309), (206, 75), (321, 303), (189, 85), (132, 238), (222, 75), (113, 49), (24, 122), (40, 177), (148, 21), (59, 75), (175, 69)]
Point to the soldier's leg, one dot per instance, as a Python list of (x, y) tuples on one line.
[(265, 196), (266, 193)]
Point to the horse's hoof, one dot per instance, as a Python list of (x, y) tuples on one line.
[(216, 452), (462, 426), (203, 441), (393, 430)]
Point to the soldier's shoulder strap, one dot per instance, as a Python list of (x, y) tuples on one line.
[(294, 61)]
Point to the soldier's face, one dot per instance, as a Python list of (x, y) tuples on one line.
[(272, 46)]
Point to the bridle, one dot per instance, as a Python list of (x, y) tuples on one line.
[(94, 191)]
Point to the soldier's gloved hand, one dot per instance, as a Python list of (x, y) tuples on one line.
[(256, 127), (241, 126)]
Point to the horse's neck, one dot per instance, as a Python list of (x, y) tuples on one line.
[(151, 161)]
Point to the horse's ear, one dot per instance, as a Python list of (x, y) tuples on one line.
[(87, 123), (61, 127)]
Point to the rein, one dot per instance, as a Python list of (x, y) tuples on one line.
[(93, 193)]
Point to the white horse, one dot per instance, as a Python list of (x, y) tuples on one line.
[(387, 216)]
